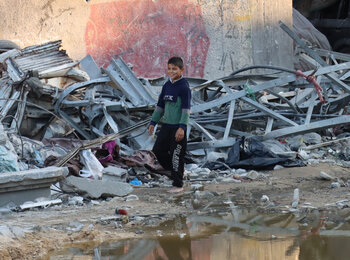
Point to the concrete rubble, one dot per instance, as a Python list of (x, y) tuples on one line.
[(78, 129)]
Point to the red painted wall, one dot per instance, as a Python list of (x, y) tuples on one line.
[(147, 33)]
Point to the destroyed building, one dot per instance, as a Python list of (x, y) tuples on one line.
[(47, 96), (267, 91)]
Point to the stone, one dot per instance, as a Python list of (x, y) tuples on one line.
[(214, 156), (312, 138), (329, 161), (296, 142), (191, 166), (203, 195), (252, 175), (114, 171), (313, 161), (240, 171), (326, 176), (138, 218), (317, 154), (335, 185), (76, 200), (303, 155), (95, 188), (193, 175), (277, 167), (202, 170), (230, 180), (131, 197), (200, 173), (75, 226), (197, 187)]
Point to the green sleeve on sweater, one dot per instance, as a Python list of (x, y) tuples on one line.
[(157, 114), (185, 116)]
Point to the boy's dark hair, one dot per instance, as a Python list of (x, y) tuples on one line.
[(177, 61)]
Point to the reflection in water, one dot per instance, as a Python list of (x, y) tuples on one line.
[(232, 246), (213, 238)]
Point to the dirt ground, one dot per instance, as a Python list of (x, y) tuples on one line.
[(53, 228)]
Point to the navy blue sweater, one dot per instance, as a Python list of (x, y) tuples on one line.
[(174, 102)]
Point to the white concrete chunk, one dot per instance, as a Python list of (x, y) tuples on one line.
[(96, 188)]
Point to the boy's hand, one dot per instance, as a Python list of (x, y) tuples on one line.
[(180, 134), (150, 129)]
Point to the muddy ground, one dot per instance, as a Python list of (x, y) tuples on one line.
[(53, 228)]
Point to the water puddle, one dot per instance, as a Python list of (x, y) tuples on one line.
[(241, 235)]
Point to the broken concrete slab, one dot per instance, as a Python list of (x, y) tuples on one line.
[(46, 203), (95, 188), (113, 173), (19, 187)]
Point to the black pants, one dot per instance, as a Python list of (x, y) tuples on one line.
[(170, 153)]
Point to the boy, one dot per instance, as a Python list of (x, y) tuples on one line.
[(173, 108)]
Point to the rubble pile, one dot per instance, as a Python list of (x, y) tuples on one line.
[(64, 113)]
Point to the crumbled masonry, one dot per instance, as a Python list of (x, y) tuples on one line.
[(56, 111)]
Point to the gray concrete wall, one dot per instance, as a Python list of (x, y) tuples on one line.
[(214, 37)]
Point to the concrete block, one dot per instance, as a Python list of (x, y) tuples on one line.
[(95, 188), (22, 186), (112, 173)]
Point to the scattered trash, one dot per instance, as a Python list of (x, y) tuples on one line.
[(91, 124), (121, 211), (135, 182), (29, 205), (264, 199)]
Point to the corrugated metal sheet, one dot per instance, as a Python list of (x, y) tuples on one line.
[(42, 57)]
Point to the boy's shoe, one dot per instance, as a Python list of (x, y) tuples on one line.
[(176, 190)]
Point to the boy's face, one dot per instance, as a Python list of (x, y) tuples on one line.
[(174, 72)]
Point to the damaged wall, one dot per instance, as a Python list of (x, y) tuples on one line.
[(214, 37)]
